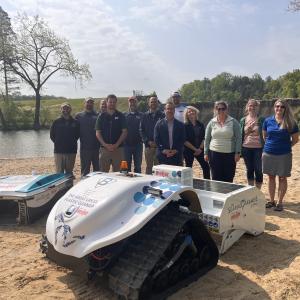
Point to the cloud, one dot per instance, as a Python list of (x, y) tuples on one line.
[(119, 59), (166, 13)]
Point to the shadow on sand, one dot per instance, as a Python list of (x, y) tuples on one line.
[(291, 211), (259, 254), (220, 283)]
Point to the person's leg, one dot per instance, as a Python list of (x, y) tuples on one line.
[(69, 162), (105, 160), (95, 160), (229, 166), (248, 156), (216, 165), (189, 158), (128, 152), (85, 162), (138, 157), (272, 188), (258, 168), (58, 160), (150, 158), (117, 157), (282, 188), (204, 166)]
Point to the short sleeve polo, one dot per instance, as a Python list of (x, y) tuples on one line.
[(278, 141), (111, 126)]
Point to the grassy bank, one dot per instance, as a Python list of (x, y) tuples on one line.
[(19, 114)]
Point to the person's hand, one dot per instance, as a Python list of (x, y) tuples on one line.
[(172, 152), (198, 152), (206, 158), (165, 152), (237, 157)]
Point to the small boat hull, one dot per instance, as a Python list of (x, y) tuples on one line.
[(26, 198)]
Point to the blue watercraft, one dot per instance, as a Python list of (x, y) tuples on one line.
[(25, 198)]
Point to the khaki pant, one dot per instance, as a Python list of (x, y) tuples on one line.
[(108, 158), (64, 162), (150, 157)]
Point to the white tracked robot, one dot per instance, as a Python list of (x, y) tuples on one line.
[(146, 233)]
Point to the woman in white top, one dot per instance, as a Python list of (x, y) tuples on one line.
[(222, 144)]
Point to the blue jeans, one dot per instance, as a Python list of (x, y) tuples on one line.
[(135, 152), (252, 158)]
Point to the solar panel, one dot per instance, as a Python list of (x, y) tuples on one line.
[(215, 186)]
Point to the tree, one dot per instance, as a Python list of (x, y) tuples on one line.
[(6, 52), (39, 54), (294, 5)]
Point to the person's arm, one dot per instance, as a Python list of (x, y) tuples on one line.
[(121, 138), (295, 138), (100, 139), (237, 137), (157, 132), (207, 138), (264, 134), (190, 146), (143, 131), (52, 132)]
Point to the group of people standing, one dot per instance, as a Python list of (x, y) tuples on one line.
[(176, 134)]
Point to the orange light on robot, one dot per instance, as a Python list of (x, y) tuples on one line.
[(124, 166)]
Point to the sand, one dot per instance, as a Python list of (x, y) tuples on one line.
[(264, 267)]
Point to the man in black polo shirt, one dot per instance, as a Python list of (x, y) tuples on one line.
[(111, 131), (64, 133), (133, 146), (89, 145)]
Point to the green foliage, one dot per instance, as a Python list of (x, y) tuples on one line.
[(230, 87)]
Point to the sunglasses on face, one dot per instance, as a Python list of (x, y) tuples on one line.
[(221, 108), (280, 106)]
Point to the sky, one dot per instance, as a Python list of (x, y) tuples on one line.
[(159, 45)]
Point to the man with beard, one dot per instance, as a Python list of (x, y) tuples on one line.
[(89, 145), (64, 133)]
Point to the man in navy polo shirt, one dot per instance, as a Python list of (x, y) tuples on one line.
[(111, 131), (133, 146)]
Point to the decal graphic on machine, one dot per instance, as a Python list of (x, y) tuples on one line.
[(212, 222), (242, 204), (148, 196), (65, 230)]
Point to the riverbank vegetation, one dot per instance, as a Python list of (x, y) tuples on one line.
[(19, 114)]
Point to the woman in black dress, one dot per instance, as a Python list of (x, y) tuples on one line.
[(193, 147)]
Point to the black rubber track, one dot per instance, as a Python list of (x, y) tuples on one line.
[(145, 250)]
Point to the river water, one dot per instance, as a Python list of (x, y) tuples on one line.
[(25, 143)]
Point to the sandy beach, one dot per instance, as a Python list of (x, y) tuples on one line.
[(264, 267)]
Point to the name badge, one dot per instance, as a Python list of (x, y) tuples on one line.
[(116, 118)]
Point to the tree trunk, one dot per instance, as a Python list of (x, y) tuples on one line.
[(5, 80), (36, 124), (2, 119)]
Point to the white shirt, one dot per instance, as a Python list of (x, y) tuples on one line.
[(179, 112)]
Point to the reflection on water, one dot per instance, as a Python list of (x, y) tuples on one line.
[(25, 143)]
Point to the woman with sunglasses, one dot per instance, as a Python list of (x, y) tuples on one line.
[(193, 147), (222, 144), (252, 143), (280, 133)]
